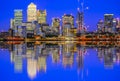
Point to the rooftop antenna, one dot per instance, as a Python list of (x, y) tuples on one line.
[(82, 6), (79, 6)]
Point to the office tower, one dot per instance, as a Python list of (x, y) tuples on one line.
[(100, 26), (67, 24), (55, 22), (108, 23), (56, 25), (45, 29), (67, 18), (80, 22), (114, 25), (18, 18), (37, 28), (31, 28), (41, 16), (21, 31), (118, 25), (32, 12)]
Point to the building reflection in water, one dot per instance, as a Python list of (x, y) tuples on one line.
[(109, 55), (69, 53)]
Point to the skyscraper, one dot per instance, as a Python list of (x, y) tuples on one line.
[(118, 25), (68, 23), (18, 18), (108, 22), (41, 16), (32, 12), (56, 25), (67, 18), (80, 22), (55, 22), (100, 26), (30, 27)]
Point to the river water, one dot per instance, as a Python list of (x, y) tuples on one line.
[(59, 62)]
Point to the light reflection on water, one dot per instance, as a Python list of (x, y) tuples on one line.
[(76, 61)]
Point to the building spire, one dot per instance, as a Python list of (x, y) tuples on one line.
[(80, 17)]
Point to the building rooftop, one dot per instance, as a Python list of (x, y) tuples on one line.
[(31, 5), (108, 14), (68, 15)]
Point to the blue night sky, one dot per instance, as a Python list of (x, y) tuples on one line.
[(56, 8)]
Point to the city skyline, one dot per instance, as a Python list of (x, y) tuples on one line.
[(36, 27), (98, 11)]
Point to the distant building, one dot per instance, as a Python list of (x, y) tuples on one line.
[(21, 31), (45, 28), (4, 34), (37, 28), (73, 32), (67, 24), (118, 25), (18, 18), (100, 26), (11, 32), (114, 25), (41, 16), (80, 22), (66, 29), (32, 12), (56, 25), (108, 23), (55, 22), (30, 28), (67, 18)]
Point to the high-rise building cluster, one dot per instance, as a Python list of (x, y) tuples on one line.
[(37, 24), (35, 19), (109, 24)]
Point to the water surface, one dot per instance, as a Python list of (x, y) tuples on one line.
[(59, 62)]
